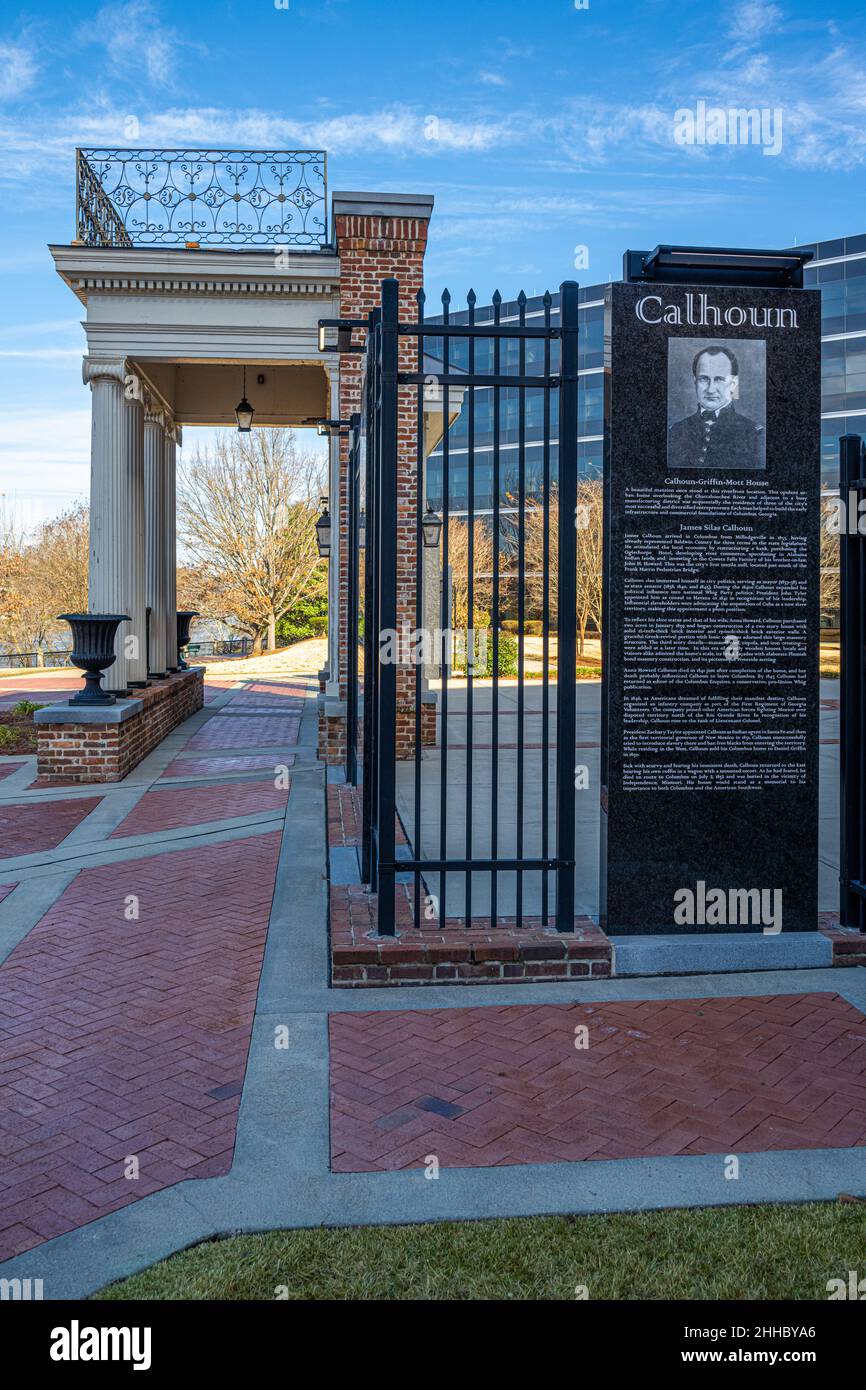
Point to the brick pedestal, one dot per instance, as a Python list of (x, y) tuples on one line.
[(104, 744)]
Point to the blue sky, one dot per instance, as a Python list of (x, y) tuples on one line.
[(553, 127)]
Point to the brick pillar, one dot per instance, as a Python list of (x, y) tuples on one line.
[(377, 236)]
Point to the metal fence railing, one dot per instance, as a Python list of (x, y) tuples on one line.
[(202, 198), (10, 660), (471, 760), (230, 646)]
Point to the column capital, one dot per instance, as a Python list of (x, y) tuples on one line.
[(103, 368), (153, 413)]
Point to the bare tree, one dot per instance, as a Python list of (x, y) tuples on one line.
[(41, 577), (830, 593), (246, 516), (588, 540), (480, 569), (61, 556)]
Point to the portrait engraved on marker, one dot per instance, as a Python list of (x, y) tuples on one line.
[(717, 403)]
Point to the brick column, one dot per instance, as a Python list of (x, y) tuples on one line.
[(377, 236)]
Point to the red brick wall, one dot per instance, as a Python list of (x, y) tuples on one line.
[(372, 249), (107, 752)]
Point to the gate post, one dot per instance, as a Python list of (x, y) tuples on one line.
[(851, 641), (566, 605), (371, 559), (354, 500), (386, 751)]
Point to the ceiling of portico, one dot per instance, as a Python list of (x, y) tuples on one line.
[(206, 393)]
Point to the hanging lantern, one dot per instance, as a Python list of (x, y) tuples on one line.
[(243, 411)]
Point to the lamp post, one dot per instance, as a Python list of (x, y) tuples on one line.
[(431, 528)]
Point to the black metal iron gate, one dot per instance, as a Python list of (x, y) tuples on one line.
[(852, 690), (462, 688)]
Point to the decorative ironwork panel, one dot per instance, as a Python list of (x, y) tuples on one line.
[(96, 221), (213, 197)]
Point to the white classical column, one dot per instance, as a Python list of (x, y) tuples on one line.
[(116, 572), (172, 439), (156, 538)]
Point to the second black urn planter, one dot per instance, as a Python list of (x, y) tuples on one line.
[(93, 652), (184, 618)]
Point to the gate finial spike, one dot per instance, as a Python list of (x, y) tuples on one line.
[(497, 297), (446, 296), (521, 298), (548, 299), (470, 298)]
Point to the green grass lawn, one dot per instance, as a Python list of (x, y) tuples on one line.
[(763, 1252)]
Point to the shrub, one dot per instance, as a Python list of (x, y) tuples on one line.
[(306, 618), (507, 652), (7, 736), (25, 707)]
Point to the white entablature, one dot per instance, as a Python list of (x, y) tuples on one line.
[(188, 320)]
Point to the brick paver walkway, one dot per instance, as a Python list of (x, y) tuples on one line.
[(177, 806), (487, 1086), (246, 731), (126, 1011), (126, 1040), (203, 766), (40, 826)]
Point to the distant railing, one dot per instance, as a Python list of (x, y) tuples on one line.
[(219, 198), (11, 660), (230, 646)]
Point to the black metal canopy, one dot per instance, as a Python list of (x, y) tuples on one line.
[(716, 265)]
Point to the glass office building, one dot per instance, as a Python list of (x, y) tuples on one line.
[(838, 270)]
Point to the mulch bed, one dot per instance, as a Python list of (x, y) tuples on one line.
[(23, 732)]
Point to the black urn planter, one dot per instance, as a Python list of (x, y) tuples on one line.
[(184, 618), (92, 652)]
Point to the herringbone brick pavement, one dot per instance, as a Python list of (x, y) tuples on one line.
[(246, 731), (125, 1020), (493, 1085), (252, 699), (203, 766), (30, 829), (177, 806)]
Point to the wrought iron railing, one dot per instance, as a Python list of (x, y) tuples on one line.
[(96, 221), (219, 198)]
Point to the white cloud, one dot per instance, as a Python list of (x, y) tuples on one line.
[(44, 461), (43, 145), (492, 79), (18, 70), (134, 39), (753, 19)]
